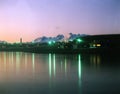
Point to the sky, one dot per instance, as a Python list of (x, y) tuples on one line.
[(30, 19)]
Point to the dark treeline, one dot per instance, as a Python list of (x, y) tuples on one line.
[(86, 44)]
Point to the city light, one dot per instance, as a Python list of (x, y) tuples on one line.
[(51, 42), (79, 40), (98, 45)]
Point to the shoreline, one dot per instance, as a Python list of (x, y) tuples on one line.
[(65, 51)]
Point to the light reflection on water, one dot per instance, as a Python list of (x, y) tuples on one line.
[(79, 69), (30, 73), (49, 70)]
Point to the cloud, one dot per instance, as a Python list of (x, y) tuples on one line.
[(74, 36), (45, 39), (58, 38)]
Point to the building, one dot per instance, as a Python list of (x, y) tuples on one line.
[(102, 41), (20, 40)]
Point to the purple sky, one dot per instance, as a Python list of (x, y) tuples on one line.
[(31, 19)]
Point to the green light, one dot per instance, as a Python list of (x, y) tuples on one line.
[(71, 40), (50, 42), (79, 40), (53, 41)]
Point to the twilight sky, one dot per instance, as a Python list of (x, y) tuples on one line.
[(31, 19)]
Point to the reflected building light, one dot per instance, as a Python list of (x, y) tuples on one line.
[(25, 61), (9, 57), (33, 62), (96, 60), (79, 68), (0, 57), (4, 57), (54, 64), (5, 61), (17, 61), (50, 66), (12, 57), (17, 57), (11, 62), (65, 66), (61, 66)]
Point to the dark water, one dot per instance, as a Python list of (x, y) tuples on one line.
[(30, 73)]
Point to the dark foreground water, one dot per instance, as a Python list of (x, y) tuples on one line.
[(30, 73)]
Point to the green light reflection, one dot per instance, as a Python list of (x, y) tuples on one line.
[(65, 66), (33, 62), (54, 64), (50, 66), (79, 68)]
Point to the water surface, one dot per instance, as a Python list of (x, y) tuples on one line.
[(30, 73)]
